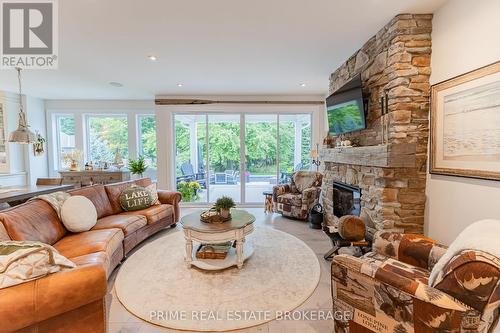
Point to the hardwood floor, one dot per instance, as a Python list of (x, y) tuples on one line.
[(121, 321)]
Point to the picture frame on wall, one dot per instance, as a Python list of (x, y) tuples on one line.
[(465, 125)]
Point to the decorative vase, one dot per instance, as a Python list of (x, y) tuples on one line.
[(73, 166), (224, 213)]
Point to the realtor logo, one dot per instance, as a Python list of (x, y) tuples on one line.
[(29, 34)]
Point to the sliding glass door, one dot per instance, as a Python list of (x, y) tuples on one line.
[(261, 155), (238, 155), (224, 156)]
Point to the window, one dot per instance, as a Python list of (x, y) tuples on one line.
[(147, 142), (107, 136), (274, 146), (65, 139)]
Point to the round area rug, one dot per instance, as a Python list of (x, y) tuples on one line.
[(156, 285)]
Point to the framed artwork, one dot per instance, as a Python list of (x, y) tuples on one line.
[(465, 125)]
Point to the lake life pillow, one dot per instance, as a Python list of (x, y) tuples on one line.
[(135, 198)]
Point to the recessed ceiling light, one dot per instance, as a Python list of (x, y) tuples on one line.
[(302, 84), (116, 84), (152, 57), (179, 85)]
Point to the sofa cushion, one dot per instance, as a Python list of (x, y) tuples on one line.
[(96, 194), (4, 236), (395, 267), (153, 213), (74, 245), (114, 190), (290, 199), (35, 220), (127, 223), (306, 179), (99, 258)]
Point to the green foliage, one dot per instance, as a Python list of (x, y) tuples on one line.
[(67, 125), (188, 190), (139, 166), (260, 141), (224, 202), (107, 134), (148, 138)]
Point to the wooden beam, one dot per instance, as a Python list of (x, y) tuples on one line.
[(400, 155), (175, 101)]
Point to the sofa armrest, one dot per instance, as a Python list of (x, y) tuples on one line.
[(345, 267), (25, 304), (172, 198), (413, 249), (280, 190)]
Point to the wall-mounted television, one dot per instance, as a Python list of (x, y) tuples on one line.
[(345, 108)]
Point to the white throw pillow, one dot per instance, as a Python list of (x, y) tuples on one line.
[(78, 214)]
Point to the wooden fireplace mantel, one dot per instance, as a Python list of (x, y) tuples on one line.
[(396, 155)]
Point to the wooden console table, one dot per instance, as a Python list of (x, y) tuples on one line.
[(85, 178)]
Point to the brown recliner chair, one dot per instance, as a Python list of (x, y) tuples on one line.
[(297, 198)]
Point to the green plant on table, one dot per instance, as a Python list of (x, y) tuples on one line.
[(138, 167), (188, 190), (224, 203)]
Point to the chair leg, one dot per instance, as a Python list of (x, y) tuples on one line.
[(330, 254)]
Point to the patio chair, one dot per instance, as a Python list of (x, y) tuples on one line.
[(232, 176), (189, 175), (286, 177)]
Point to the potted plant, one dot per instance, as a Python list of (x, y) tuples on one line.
[(223, 205), (138, 167), (188, 190)]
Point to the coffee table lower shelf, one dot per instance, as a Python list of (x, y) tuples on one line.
[(218, 264)]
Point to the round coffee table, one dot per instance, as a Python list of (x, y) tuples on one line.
[(237, 229)]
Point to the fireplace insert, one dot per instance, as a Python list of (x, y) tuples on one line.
[(346, 199)]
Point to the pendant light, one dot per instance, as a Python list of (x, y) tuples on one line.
[(22, 134)]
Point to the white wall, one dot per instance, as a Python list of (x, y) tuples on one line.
[(465, 37), (37, 166)]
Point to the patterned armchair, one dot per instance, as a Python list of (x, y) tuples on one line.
[(295, 199), (388, 290)]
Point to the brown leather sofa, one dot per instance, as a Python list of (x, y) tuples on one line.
[(73, 300)]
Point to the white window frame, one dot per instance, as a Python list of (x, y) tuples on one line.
[(80, 108), (56, 146)]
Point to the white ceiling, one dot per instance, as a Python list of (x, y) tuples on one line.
[(213, 47)]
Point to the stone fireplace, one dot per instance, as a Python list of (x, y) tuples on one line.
[(391, 174)]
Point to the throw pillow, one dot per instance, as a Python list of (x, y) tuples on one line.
[(22, 261), (154, 194), (135, 198), (78, 214)]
